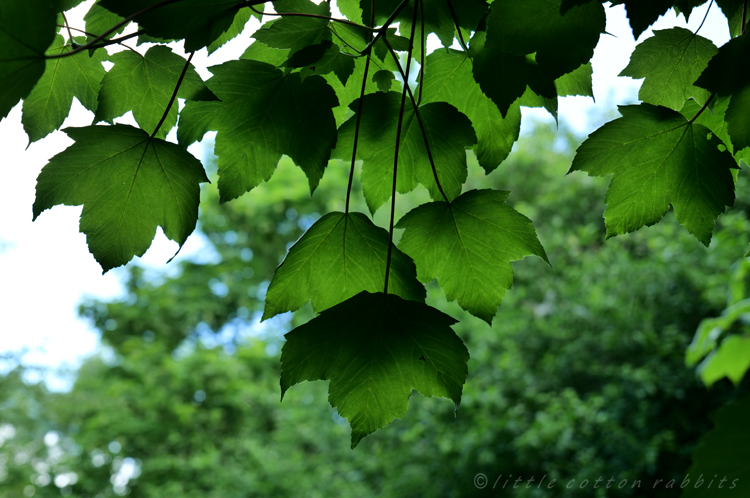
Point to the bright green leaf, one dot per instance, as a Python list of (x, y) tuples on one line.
[(27, 29), (731, 360), (128, 184), (99, 20), (468, 245), (260, 52), (374, 349), (144, 85), (48, 104), (671, 61), (262, 115), (658, 157), (179, 20), (449, 133), (340, 256), (450, 79)]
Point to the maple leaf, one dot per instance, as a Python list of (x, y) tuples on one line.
[(262, 115), (659, 158), (48, 104), (376, 348), (337, 258), (468, 245), (26, 30), (670, 61), (144, 85), (449, 134), (296, 32), (128, 184), (99, 20)]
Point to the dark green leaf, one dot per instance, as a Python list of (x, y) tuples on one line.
[(66, 5), (685, 7), (671, 61), (144, 85), (658, 157), (376, 348), (331, 60), (340, 256), (262, 115), (468, 245), (48, 104), (384, 79), (199, 22), (128, 184), (733, 11), (449, 134), (450, 79), (723, 456), (738, 119), (26, 30), (643, 14), (522, 27), (260, 52)]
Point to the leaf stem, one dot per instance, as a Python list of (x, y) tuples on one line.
[(398, 144), (419, 121), (704, 17), (67, 25), (458, 28), (359, 115), (174, 95), (705, 106)]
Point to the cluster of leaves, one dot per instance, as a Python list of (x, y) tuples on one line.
[(317, 88)]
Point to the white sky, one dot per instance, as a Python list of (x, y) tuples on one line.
[(45, 266)]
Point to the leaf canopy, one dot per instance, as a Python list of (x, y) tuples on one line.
[(376, 348), (128, 184)]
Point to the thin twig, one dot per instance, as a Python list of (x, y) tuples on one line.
[(359, 114), (419, 121), (398, 145), (705, 106), (421, 58), (67, 25), (458, 28), (381, 31), (92, 34), (704, 17), (174, 95)]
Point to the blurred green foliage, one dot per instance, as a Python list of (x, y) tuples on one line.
[(581, 376)]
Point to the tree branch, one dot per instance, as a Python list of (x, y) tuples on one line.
[(174, 95)]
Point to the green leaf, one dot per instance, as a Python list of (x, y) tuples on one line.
[(710, 329), (671, 61), (643, 14), (450, 79), (732, 9), (384, 79), (713, 118), (340, 256), (48, 104), (658, 157), (723, 456), (296, 32), (376, 348), (262, 115), (144, 85), (468, 245), (578, 82), (66, 5), (349, 92), (99, 20), (449, 133), (241, 18), (730, 360), (128, 184), (26, 30), (738, 119), (331, 60), (522, 27), (199, 22), (685, 7)]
